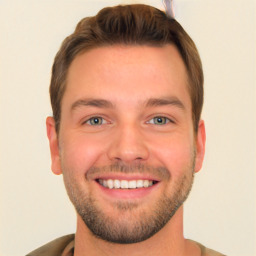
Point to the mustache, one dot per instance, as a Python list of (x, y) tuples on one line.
[(160, 173)]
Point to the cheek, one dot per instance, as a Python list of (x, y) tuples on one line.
[(80, 153), (175, 153)]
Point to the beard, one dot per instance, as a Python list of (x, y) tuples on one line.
[(133, 223)]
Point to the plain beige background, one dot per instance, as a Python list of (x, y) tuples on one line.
[(220, 212)]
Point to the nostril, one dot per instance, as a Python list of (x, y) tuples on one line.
[(126, 148)]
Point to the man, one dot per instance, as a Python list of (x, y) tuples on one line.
[(126, 133)]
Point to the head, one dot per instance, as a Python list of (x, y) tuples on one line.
[(127, 94), (127, 25)]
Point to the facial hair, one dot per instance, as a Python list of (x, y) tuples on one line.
[(133, 223)]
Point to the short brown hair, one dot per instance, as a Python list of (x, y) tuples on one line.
[(129, 25)]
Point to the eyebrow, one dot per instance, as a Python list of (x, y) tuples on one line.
[(152, 102), (100, 103), (174, 101)]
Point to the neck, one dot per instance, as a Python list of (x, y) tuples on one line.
[(168, 241)]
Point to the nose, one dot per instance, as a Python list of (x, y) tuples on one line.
[(128, 145)]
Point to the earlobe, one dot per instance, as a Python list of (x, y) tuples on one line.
[(200, 145), (54, 147)]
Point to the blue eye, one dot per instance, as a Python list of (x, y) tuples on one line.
[(95, 121), (159, 120)]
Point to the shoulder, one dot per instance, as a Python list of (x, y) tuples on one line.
[(53, 248), (207, 251)]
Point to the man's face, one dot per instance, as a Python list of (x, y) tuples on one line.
[(126, 144)]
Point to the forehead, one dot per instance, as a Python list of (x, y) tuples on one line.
[(137, 71)]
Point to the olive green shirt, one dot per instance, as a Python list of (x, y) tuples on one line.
[(64, 246)]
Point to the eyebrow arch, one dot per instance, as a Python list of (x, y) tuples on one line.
[(100, 103), (154, 102)]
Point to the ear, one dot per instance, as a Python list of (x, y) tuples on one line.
[(200, 145), (54, 146)]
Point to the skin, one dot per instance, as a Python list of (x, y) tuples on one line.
[(127, 77)]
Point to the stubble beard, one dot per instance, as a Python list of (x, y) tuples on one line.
[(133, 224)]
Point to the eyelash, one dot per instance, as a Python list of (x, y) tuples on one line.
[(93, 119), (157, 118), (97, 121)]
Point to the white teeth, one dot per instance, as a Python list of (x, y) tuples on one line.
[(139, 183), (145, 183), (132, 184), (117, 184), (110, 184), (105, 183), (125, 184)]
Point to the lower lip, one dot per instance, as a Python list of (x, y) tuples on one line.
[(127, 193)]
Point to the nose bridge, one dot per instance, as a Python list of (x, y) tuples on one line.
[(128, 144)]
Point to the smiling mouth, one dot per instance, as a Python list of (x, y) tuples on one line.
[(126, 184)]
